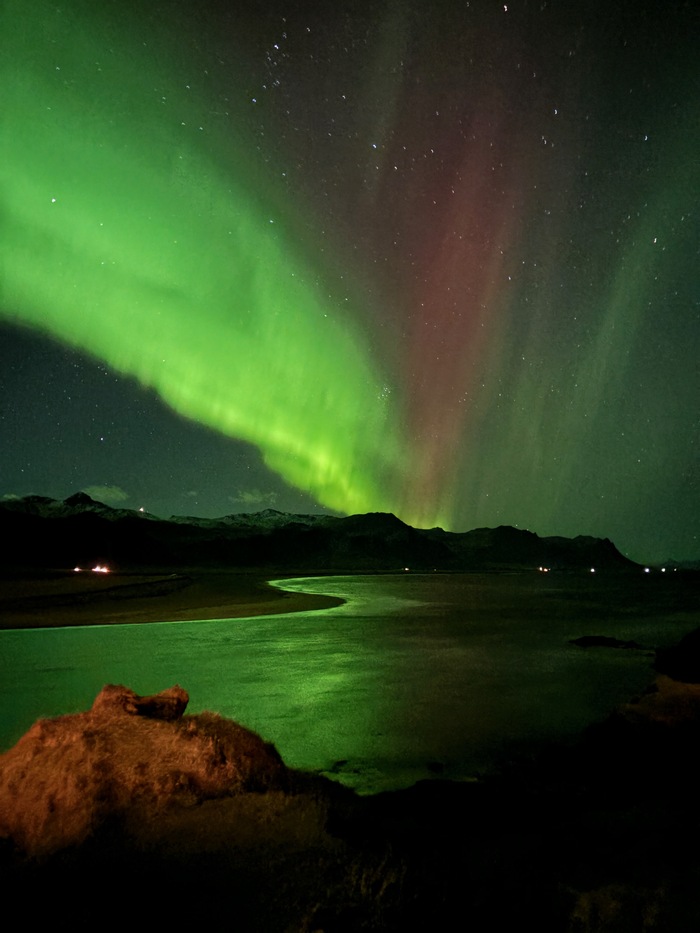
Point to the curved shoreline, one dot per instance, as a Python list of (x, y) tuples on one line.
[(55, 600)]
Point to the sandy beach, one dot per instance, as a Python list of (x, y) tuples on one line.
[(49, 599)]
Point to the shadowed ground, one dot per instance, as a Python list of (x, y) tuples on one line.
[(197, 821)]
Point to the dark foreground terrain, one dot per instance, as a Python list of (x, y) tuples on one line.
[(136, 814)]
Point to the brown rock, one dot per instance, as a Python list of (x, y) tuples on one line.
[(168, 705), (128, 757)]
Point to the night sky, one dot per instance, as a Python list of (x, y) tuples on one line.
[(438, 259)]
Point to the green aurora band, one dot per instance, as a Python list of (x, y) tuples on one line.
[(417, 276), (120, 237)]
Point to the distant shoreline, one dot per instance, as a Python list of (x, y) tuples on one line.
[(46, 598), (55, 599)]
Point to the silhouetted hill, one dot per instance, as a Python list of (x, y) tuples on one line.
[(503, 547), (79, 531)]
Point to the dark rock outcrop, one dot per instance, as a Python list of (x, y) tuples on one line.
[(603, 641), (682, 661), (168, 705)]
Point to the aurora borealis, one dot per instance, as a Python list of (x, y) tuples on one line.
[(439, 260)]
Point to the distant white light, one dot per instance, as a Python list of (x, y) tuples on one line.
[(647, 570), (76, 569), (99, 569), (592, 569)]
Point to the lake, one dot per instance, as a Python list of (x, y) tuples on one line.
[(415, 675)]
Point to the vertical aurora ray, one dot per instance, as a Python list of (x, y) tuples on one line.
[(553, 251), (452, 325), (122, 238), (584, 395)]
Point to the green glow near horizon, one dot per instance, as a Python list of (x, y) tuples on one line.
[(123, 238), (514, 338)]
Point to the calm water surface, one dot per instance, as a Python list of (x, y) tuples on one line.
[(413, 675)]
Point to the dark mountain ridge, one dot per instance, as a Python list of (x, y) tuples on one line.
[(79, 530)]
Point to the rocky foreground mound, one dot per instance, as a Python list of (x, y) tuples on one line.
[(135, 813), (129, 754), (135, 810)]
